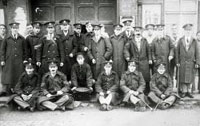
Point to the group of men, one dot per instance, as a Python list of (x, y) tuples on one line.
[(50, 71)]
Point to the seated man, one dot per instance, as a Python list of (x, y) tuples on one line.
[(27, 88), (132, 84), (107, 86), (161, 88), (81, 78), (55, 90)]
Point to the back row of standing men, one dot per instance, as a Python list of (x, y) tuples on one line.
[(126, 44)]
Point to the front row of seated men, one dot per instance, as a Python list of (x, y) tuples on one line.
[(54, 92)]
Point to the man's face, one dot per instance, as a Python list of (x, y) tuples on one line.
[(150, 31), (65, 27), (174, 30), (107, 69), (188, 32), (80, 60), (160, 32), (138, 33), (118, 31), (29, 28), (97, 31), (89, 28), (161, 70), (36, 30), (77, 30), (29, 71), (50, 30), (15, 30), (2, 30), (198, 36), (53, 69), (131, 68)]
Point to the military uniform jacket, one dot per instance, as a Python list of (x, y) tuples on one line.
[(187, 60), (118, 43), (27, 84), (53, 84), (50, 49), (162, 49), (32, 45), (100, 51), (78, 43), (81, 76), (141, 56), (107, 82), (13, 53), (132, 81), (161, 84)]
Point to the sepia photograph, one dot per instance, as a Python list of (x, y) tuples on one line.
[(99, 62)]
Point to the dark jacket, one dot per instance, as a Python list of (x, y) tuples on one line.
[(132, 81), (161, 84), (53, 84), (100, 51), (81, 76), (50, 49), (118, 43), (27, 84), (13, 53), (107, 82), (141, 56), (187, 60)]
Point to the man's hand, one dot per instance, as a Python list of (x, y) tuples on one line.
[(48, 95), (170, 58), (131, 92), (38, 64), (178, 65), (93, 61), (2, 63), (196, 66), (108, 92), (61, 64), (25, 97), (25, 61), (150, 62), (59, 92), (101, 93), (136, 93), (91, 89), (71, 55), (163, 96), (128, 58), (73, 88), (85, 49)]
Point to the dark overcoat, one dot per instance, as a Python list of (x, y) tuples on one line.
[(13, 53)]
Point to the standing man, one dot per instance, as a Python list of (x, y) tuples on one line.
[(162, 48), (12, 58), (78, 40), (118, 41), (87, 39), (150, 36), (51, 49), (3, 30), (198, 45), (139, 51), (187, 59), (66, 38), (32, 41), (100, 49)]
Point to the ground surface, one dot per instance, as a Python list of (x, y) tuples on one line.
[(184, 113)]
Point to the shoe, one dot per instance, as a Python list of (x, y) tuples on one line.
[(109, 108), (189, 95), (103, 107), (182, 95), (32, 109), (19, 108), (164, 106), (62, 108)]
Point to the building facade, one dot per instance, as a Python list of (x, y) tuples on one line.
[(107, 12)]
